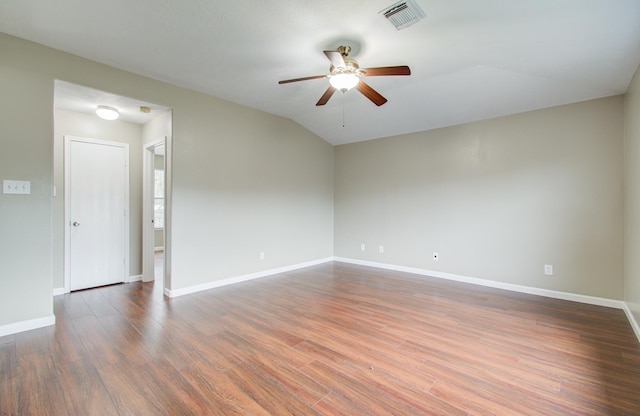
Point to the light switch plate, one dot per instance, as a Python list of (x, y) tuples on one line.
[(16, 187)]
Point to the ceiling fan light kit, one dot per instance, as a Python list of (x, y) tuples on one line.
[(344, 81), (345, 74)]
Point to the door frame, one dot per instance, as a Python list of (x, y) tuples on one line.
[(148, 228), (67, 200)]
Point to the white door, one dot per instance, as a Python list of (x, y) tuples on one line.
[(97, 189)]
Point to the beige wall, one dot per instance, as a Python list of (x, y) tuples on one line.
[(25, 220), (246, 182), (158, 162), (158, 238), (91, 127), (158, 128), (497, 199), (632, 197), (256, 182)]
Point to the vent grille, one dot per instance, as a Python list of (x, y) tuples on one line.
[(403, 14)]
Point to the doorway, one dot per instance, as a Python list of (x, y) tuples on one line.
[(96, 212), (154, 215), (139, 123)]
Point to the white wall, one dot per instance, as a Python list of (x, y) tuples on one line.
[(497, 199), (632, 198), (256, 182), (92, 127)]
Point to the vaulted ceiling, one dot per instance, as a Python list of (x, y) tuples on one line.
[(470, 59)]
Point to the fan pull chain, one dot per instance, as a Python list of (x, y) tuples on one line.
[(343, 94)]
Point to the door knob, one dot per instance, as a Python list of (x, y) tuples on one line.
[(75, 224)]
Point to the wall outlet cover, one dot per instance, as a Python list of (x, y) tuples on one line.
[(16, 187)]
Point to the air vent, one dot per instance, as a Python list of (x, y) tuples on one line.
[(403, 14)]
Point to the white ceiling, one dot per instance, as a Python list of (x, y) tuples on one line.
[(470, 59), (82, 99)]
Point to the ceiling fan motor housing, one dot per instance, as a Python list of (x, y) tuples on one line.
[(344, 50), (351, 67)]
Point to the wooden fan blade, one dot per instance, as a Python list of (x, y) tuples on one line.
[(336, 59), (286, 81), (371, 94), (386, 70), (327, 94)]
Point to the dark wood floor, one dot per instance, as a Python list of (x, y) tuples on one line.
[(334, 339)]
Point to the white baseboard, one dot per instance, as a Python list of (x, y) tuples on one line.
[(632, 320), (57, 291), (22, 326), (28, 325), (135, 278), (592, 300), (224, 282)]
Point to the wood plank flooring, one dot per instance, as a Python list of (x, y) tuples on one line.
[(333, 339)]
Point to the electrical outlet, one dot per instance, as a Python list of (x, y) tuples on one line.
[(262, 255), (436, 256), (548, 269), (362, 247), (381, 249)]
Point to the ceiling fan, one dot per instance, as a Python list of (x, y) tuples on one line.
[(344, 74)]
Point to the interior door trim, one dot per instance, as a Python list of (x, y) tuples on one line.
[(148, 261)]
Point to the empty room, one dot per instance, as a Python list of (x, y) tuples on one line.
[(320, 208)]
